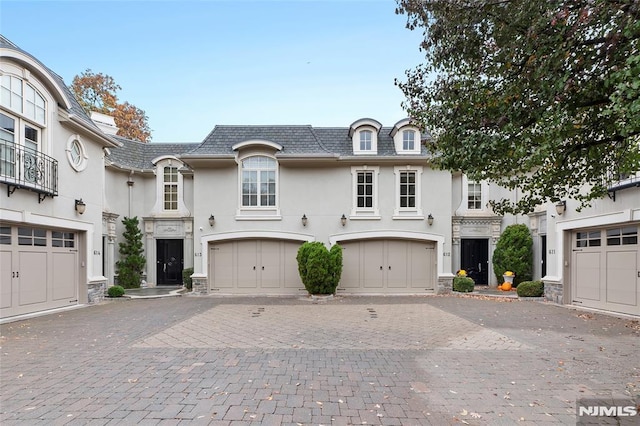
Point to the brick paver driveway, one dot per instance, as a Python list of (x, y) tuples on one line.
[(352, 360)]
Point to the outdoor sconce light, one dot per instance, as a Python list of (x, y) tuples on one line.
[(212, 220), (561, 206), (430, 219), (304, 220), (343, 220), (80, 206)]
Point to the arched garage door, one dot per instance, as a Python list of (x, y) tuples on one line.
[(38, 269), (255, 266), (606, 269), (388, 266)]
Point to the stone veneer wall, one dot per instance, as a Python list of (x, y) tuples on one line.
[(96, 291), (199, 285), (445, 285), (553, 292)]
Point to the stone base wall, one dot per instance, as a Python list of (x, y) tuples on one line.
[(444, 285), (200, 286), (96, 291), (554, 292)]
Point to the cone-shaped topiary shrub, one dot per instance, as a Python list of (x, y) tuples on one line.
[(131, 263), (319, 268), (530, 289), (514, 252)]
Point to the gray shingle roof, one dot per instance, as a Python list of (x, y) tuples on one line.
[(295, 140), (138, 155)]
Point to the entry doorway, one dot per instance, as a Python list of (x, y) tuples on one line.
[(474, 258), (543, 255), (169, 262)]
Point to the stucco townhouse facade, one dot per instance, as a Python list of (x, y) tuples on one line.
[(237, 206)]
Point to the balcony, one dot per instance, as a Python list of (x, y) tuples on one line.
[(24, 168)]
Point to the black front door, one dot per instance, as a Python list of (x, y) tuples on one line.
[(543, 257), (169, 255), (474, 258)]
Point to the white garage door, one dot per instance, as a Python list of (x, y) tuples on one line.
[(388, 267), (606, 269), (38, 269), (255, 267)]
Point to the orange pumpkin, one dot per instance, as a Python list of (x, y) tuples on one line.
[(506, 286)]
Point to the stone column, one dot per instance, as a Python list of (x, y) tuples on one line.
[(109, 220), (150, 252)]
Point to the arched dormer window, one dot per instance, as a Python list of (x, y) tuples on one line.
[(364, 136), (259, 181), (406, 137), (169, 188)]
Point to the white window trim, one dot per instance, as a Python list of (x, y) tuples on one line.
[(357, 213), (82, 164), (410, 213), (374, 141), (397, 133), (484, 185), (159, 209), (258, 212)]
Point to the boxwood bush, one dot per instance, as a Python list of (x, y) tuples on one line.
[(530, 289), (115, 291), (320, 269), (463, 284)]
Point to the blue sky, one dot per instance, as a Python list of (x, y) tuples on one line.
[(193, 64)]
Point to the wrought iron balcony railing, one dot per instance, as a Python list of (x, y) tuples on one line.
[(22, 167)]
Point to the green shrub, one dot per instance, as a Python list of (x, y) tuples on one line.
[(530, 289), (319, 268), (463, 284), (186, 278), (115, 291), (514, 252), (132, 261)]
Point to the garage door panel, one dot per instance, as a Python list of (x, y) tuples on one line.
[(64, 276), (373, 264), (397, 264), (422, 257), (247, 264), (33, 277), (6, 281), (621, 277), (588, 275), (290, 272), (221, 258), (270, 270), (350, 277)]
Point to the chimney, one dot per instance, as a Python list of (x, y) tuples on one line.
[(105, 122)]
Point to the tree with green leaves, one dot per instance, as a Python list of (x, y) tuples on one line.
[(131, 263), (539, 95), (514, 252), (98, 92)]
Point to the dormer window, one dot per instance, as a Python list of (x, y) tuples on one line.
[(406, 137), (365, 140), (364, 135), (408, 140), (169, 187)]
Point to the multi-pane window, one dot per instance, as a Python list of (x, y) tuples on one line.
[(408, 140), (408, 189), (364, 189), (21, 97), (63, 239), (259, 182), (588, 239), (32, 237), (5, 235), (170, 188), (7, 146), (474, 196), (365, 140), (622, 236)]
